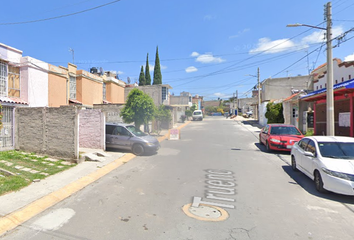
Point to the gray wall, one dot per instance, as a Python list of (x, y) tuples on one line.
[(111, 111), (48, 131), (280, 88)]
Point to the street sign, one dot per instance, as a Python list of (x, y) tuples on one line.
[(174, 134)]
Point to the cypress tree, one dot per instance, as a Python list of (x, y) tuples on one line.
[(157, 69), (142, 77), (147, 72)]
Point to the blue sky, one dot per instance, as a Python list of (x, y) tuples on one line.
[(205, 47)]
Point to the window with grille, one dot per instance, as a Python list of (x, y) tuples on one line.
[(164, 93), (3, 79), (14, 81), (72, 87), (104, 91)]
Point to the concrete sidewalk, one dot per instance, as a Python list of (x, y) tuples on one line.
[(18, 207)]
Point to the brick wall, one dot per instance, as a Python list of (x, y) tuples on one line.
[(48, 131), (91, 129)]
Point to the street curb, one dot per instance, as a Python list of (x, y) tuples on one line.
[(16, 218)]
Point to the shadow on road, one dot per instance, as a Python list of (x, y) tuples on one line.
[(308, 185), (262, 148), (127, 151)]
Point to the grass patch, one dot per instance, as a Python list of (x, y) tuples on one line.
[(309, 133), (25, 168)]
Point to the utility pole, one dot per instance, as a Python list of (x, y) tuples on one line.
[(330, 129), (330, 97), (237, 103), (259, 96)]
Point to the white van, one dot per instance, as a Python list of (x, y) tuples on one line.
[(197, 115)]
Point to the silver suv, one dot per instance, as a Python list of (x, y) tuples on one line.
[(127, 137)]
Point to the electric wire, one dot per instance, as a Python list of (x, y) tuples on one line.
[(61, 16)]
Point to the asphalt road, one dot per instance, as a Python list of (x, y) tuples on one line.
[(247, 194)]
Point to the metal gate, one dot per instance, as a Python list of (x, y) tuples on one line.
[(7, 128)]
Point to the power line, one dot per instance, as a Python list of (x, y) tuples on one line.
[(61, 16)]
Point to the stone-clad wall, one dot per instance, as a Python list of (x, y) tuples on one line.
[(91, 129), (48, 131), (111, 111)]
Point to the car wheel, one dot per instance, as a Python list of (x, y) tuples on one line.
[(268, 147), (293, 164), (138, 149), (319, 182)]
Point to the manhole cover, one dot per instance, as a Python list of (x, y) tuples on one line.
[(205, 212)]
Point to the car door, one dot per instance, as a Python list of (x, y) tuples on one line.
[(121, 138), (300, 151), (264, 134), (308, 161), (109, 135)]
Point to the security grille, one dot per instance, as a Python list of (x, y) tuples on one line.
[(3, 79), (104, 91), (72, 87), (7, 128)]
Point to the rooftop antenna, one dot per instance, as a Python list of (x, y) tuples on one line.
[(72, 52)]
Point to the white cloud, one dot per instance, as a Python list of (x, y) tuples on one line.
[(266, 45), (120, 72), (220, 95), (194, 54), (191, 69), (349, 58), (209, 58), (163, 67)]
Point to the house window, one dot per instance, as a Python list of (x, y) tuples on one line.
[(14, 81), (3, 79), (325, 85), (336, 81), (350, 77), (104, 91), (321, 86), (342, 79), (317, 88), (72, 87), (164, 93)]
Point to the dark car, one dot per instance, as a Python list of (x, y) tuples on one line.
[(280, 137), (128, 137)]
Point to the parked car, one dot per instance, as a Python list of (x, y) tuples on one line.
[(249, 113), (127, 137), (279, 137), (328, 160), (197, 115)]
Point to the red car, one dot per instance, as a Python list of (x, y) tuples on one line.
[(280, 137)]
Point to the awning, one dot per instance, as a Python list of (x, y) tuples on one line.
[(12, 100), (339, 87)]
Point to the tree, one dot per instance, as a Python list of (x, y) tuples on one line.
[(147, 71), (189, 112), (274, 113), (157, 69), (142, 77), (140, 108)]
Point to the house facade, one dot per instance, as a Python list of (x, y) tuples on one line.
[(280, 89), (343, 90)]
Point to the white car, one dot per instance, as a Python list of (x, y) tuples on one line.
[(328, 160), (197, 115)]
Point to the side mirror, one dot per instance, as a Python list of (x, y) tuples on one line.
[(309, 154)]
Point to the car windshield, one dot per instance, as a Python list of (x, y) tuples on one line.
[(343, 150), (197, 113), (284, 131), (136, 131)]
